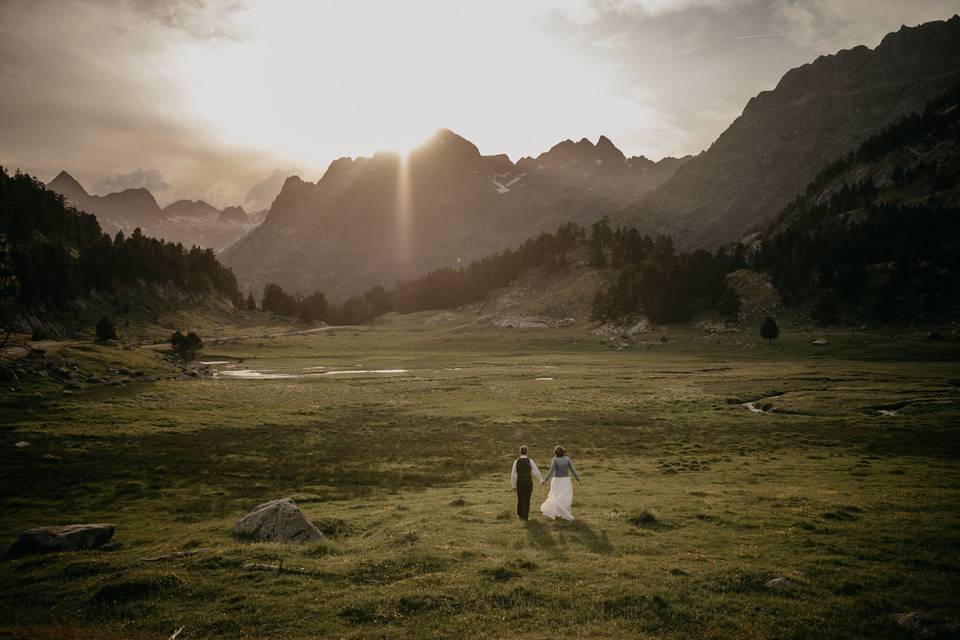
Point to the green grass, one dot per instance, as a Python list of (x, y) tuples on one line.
[(690, 503)]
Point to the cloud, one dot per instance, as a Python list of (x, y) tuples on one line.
[(201, 19), (83, 87), (149, 179), (589, 11), (825, 26), (214, 94)]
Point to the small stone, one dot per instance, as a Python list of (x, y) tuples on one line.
[(821, 341), (22, 444), (776, 583)]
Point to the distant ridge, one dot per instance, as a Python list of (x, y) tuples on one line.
[(816, 113), (190, 222)]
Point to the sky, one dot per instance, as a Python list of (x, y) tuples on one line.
[(207, 98)]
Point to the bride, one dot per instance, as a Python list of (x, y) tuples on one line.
[(560, 499)]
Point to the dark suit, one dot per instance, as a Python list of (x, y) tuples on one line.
[(524, 487)]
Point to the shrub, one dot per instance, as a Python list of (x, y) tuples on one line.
[(769, 330), (106, 330), (186, 345)]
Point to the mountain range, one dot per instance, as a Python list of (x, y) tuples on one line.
[(190, 222), (376, 220)]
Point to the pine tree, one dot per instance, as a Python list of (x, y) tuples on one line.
[(105, 329), (251, 303), (769, 330)]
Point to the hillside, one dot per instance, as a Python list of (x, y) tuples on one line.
[(371, 221), (189, 222), (784, 137), (877, 233), (68, 271)]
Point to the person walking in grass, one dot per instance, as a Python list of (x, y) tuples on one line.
[(560, 498), (521, 477)]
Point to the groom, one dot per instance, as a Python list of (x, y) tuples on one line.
[(521, 477)]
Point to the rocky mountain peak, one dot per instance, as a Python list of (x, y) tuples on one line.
[(608, 152), (67, 186), (445, 145)]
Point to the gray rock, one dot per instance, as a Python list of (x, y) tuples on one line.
[(22, 444), (776, 583), (821, 341), (277, 521), (926, 626), (71, 537)]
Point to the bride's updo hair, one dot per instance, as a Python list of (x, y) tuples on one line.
[(559, 451)]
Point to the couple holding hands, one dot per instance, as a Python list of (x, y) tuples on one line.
[(560, 498)]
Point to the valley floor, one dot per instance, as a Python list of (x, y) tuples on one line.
[(397, 440)]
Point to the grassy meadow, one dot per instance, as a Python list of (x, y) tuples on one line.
[(690, 503)]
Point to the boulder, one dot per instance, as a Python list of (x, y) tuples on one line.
[(277, 521), (70, 537)]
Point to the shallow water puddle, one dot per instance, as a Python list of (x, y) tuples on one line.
[(349, 371), (252, 374), (305, 372)]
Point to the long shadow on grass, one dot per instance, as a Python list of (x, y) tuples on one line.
[(583, 534), (541, 538), (578, 532)]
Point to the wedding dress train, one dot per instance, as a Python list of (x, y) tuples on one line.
[(559, 500)]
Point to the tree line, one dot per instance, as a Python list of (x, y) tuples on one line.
[(58, 254), (675, 285), (657, 281)]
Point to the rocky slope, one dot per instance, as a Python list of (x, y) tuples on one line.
[(190, 222), (817, 113), (875, 235), (376, 220)]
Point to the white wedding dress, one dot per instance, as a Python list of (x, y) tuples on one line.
[(559, 500)]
